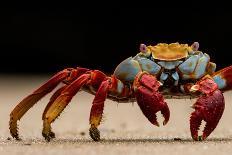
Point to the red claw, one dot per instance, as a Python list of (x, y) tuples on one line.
[(149, 99), (209, 107)]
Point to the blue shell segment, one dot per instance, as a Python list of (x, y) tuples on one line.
[(189, 65), (148, 65), (201, 66), (200, 69), (220, 82), (127, 70)]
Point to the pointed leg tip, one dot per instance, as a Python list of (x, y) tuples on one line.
[(52, 135), (47, 139), (48, 136), (94, 134), (15, 136), (18, 139)]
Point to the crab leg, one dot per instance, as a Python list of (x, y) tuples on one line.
[(97, 110), (149, 99), (93, 78), (52, 99), (30, 100), (61, 102), (209, 107), (66, 76), (223, 78), (112, 85)]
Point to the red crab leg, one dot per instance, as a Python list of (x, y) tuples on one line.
[(93, 78), (66, 75), (97, 110), (209, 107), (149, 99), (223, 78), (30, 100), (109, 85), (52, 99)]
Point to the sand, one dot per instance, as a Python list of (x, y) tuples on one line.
[(124, 130)]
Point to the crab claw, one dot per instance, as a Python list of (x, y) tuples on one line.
[(209, 107), (149, 99)]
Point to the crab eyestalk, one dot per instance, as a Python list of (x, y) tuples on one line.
[(195, 46), (209, 107), (143, 48)]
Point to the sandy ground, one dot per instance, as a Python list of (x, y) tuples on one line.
[(124, 130)]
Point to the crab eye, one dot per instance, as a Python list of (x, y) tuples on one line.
[(143, 48), (195, 46)]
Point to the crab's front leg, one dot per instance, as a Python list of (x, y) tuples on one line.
[(110, 85), (97, 109), (149, 99), (209, 107)]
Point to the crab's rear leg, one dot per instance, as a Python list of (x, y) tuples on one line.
[(52, 99), (30, 100), (54, 108), (63, 76), (223, 78)]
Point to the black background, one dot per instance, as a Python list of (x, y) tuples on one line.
[(49, 39)]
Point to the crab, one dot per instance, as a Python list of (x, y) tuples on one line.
[(156, 73)]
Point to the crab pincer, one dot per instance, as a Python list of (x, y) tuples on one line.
[(149, 99), (209, 107)]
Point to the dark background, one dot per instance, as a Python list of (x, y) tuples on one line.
[(48, 39)]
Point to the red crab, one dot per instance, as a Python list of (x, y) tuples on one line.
[(155, 73)]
